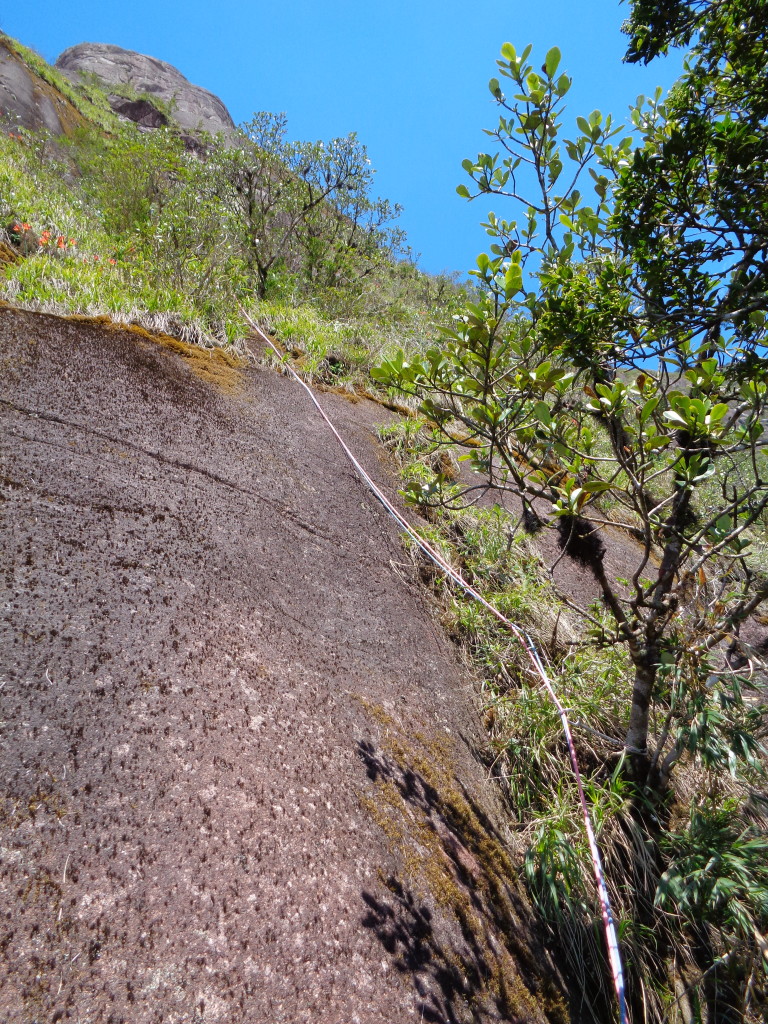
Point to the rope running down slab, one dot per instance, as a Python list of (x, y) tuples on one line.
[(611, 939)]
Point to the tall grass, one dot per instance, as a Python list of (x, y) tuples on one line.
[(132, 225)]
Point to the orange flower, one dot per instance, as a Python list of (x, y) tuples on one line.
[(113, 261), (61, 242), (25, 226), (72, 241)]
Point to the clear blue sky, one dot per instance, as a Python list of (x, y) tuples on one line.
[(409, 77)]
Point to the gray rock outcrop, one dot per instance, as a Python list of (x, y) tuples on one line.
[(193, 108), (26, 101), (140, 111)]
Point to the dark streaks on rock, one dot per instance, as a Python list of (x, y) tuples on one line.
[(200, 635)]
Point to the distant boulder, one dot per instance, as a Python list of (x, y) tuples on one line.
[(193, 108)]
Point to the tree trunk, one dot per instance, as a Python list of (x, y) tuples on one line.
[(636, 742)]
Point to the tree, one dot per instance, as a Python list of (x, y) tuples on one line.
[(344, 241), (130, 176), (612, 372), (571, 380), (300, 202)]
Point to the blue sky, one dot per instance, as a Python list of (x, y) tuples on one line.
[(409, 77)]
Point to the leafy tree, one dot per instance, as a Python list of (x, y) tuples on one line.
[(692, 208), (612, 374), (572, 384), (345, 241), (300, 202), (129, 176)]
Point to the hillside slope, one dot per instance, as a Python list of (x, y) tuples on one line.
[(28, 101), (238, 756)]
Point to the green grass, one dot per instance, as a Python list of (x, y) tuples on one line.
[(147, 239), (95, 273), (333, 351)]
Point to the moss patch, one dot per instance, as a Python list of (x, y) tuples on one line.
[(8, 255), (452, 858), (215, 366)]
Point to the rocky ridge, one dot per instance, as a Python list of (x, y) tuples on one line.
[(193, 108)]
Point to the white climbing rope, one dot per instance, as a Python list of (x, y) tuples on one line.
[(611, 939)]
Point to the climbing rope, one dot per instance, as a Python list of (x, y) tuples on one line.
[(611, 939)]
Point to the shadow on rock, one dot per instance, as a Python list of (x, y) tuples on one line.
[(455, 921), (404, 927)]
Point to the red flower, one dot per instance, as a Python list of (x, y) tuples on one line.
[(113, 261), (61, 242)]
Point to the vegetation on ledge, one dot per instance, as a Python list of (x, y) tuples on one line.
[(145, 226), (609, 384)]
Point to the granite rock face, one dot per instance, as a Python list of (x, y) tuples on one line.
[(193, 108), (238, 779), (26, 101)]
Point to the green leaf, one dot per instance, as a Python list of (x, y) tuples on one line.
[(513, 279), (718, 412), (657, 442), (463, 191), (676, 419), (648, 409), (583, 126), (542, 413), (597, 486), (552, 61)]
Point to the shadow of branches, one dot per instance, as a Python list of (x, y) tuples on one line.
[(455, 922)]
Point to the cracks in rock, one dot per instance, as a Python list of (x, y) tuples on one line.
[(158, 456)]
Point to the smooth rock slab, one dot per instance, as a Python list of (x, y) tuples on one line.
[(236, 755), (25, 100)]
